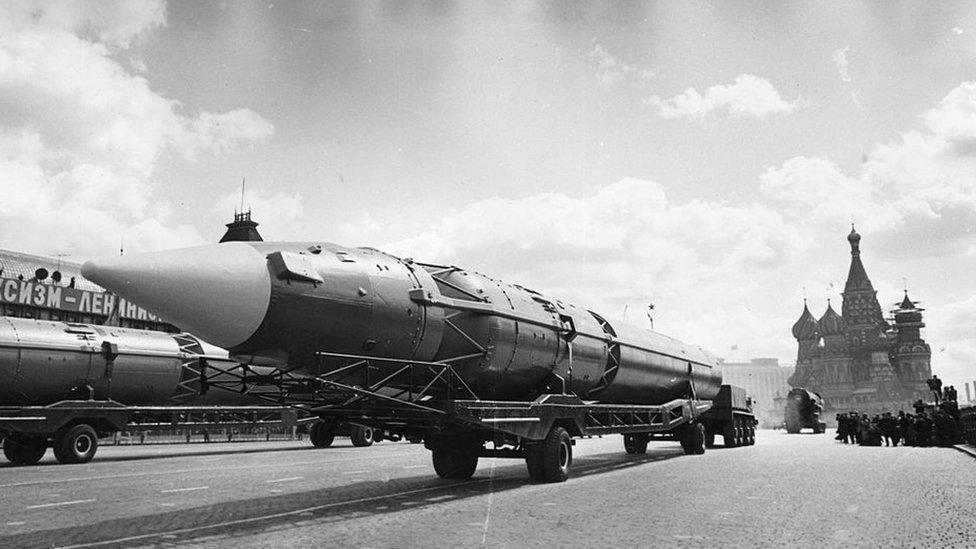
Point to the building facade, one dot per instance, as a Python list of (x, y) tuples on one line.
[(48, 288), (858, 360), (765, 381)]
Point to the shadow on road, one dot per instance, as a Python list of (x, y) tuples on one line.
[(332, 504), (216, 451)]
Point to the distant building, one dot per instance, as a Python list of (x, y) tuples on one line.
[(49, 288), (857, 360), (765, 380), (242, 229)]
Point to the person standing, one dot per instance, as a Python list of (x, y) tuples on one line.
[(935, 384)]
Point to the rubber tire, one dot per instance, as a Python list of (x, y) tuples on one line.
[(361, 436), (635, 444), (557, 455), (451, 463), (321, 434), (533, 462), (728, 436), (76, 444), (24, 450), (693, 439), (709, 439)]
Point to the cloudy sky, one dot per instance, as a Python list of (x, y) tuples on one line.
[(705, 157)]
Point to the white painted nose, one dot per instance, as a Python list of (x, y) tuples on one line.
[(218, 292)]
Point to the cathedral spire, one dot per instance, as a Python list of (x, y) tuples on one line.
[(857, 278)]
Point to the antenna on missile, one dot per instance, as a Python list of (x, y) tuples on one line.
[(243, 186), (650, 314)]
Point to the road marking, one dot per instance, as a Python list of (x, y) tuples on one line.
[(174, 490), (60, 503), (355, 472), (18, 523), (283, 479)]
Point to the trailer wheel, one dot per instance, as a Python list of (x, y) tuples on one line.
[(635, 443), (321, 434), (728, 436), (533, 462), (692, 438), (454, 463), (76, 444), (361, 436), (557, 455), (24, 450)]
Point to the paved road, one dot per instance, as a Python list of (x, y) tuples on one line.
[(785, 491)]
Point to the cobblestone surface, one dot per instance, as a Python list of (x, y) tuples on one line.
[(788, 490)]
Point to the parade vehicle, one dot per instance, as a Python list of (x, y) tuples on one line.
[(732, 417), (803, 409), (65, 385), (473, 366)]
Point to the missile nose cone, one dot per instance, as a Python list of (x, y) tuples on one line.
[(218, 292)]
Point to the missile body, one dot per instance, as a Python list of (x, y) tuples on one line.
[(283, 303), (42, 362)]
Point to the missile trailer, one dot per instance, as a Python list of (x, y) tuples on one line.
[(803, 409), (472, 366), (65, 385)]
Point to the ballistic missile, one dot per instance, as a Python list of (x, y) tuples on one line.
[(301, 304)]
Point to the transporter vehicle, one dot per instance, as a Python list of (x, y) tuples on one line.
[(425, 351), (732, 417), (67, 384), (803, 409)]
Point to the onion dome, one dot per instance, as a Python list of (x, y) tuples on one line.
[(854, 238), (831, 323), (806, 326)]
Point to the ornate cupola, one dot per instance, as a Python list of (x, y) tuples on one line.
[(805, 327), (908, 321), (857, 277), (831, 323)]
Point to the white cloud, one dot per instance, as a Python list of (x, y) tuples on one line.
[(625, 245), (611, 71), (111, 23), (717, 271), (748, 96), (82, 134), (840, 59)]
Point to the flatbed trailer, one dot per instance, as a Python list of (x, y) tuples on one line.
[(430, 402), (72, 427)]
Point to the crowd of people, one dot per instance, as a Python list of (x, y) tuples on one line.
[(930, 425)]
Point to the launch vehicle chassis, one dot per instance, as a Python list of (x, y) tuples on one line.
[(429, 401), (72, 427)]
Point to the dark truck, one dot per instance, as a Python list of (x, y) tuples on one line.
[(803, 409), (730, 416)]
